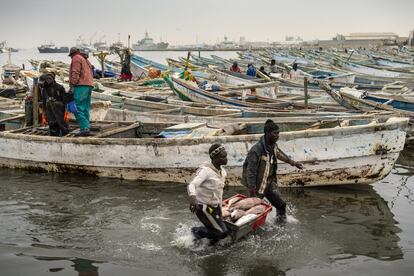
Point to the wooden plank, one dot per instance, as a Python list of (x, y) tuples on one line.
[(12, 118), (118, 130)]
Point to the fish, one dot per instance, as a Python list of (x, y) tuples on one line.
[(246, 204), (245, 219), (233, 200), (258, 209), (236, 214), (225, 212)]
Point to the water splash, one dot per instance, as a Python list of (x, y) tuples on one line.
[(184, 239)]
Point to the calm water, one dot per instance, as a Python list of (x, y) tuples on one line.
[(74, 225)]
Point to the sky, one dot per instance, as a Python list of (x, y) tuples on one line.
[(29, 23)]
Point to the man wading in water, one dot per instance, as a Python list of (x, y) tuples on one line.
[(260, 167), (206, 196)]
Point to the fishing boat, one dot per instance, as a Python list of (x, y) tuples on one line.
[(372, 71), (189, 91), (51, 48), (391, 63), (5, 49), (225, 77), (352, 154)]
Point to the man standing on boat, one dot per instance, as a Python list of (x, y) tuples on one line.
[(260, 167), (81, 84), (206, 196), (54, 98), (273, 66)]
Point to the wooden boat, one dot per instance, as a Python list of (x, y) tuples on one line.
[(243, 80), (398, 102), (188, 91), (142, 105), (359, 154), (364, 102), (391, 63), (372, 71)]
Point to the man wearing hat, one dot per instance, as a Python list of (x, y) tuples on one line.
[(206, 196), (260, 167), (54, 98), (81, 84)]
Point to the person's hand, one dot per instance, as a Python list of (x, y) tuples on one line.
[(193, 204), (252, 192)]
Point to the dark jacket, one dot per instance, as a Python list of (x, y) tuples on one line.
[(259, 168), (54, 92)]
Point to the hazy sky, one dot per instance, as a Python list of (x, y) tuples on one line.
[(28, 23)]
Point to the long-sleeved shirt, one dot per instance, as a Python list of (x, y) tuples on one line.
[(80, 72), (251, 71), (260, 167), (207, 186), (54, 92), (235, 69)]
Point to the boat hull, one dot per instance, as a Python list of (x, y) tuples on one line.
[(53, 50), (357, 154)]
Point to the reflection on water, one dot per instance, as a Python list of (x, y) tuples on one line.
[(64, 222), (354, 219)]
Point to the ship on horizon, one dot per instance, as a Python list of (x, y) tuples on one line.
[(5, 49), (51, 48), (147, 43)]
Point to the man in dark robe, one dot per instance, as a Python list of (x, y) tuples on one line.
[(54, 98)]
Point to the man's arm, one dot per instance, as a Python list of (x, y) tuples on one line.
[(75, 72), (252, 164), (283, 157), (192, 186)]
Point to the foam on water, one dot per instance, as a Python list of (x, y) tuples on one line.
[(184, 239)]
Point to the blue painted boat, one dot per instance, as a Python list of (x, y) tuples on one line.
[(284, 58), (146, 62), (396, 102), (390, 63), (189, 92)]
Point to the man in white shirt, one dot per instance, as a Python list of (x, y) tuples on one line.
[(206, 196)]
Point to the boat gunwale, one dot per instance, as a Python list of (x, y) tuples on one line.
[(395, 123)]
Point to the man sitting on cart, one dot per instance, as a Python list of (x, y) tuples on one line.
[(206, 195), (260, 167)]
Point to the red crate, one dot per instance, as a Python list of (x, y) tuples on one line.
[(237, 232)]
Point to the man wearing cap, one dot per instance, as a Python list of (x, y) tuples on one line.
[(81, 84), (260, 166), (206, 196)]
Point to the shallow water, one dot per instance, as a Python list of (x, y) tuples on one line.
[(75, 225)]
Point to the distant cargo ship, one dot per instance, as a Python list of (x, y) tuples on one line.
[(51, 48), (147, 43)]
